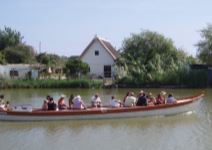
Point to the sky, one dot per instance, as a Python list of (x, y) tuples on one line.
[(65, 27)]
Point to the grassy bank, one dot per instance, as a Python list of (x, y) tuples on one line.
[(190, 79), (50, 84)]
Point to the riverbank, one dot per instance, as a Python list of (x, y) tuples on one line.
[(50, 83), (6, 84)]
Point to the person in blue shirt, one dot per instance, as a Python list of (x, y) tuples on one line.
[(170, 99), (142, 99)]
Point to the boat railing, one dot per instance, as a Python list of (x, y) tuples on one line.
[(22, 108)]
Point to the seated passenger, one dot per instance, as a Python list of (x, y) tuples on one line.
[(70, 101), (142, 100), (7, 106), (150, 100), (2, 101), (51, 104), (48, 98), (160, 99), (125, 97), (96, 101), (130, 100), (170, 99), (78, 103), (2, 106), (114, 102), (61, 103), (45, 105)]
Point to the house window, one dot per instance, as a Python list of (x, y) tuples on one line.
[(96, 53)]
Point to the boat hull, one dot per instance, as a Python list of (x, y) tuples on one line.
[(182, 106)]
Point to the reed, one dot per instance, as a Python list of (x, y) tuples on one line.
[(51, 83), (185, 79)]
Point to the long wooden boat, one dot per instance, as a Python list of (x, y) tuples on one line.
[(106, 112)]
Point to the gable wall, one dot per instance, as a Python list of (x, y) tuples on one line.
[(97, 63)]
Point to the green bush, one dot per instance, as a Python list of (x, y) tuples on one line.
[(183, 78)]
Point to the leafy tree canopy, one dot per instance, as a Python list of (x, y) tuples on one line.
[(13, 50), (9, 38), (50, 59), (75, 67), (20, 54), (204, 46), (2, 58), (150, 57)]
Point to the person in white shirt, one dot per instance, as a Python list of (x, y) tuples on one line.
[(96, 101), (130, 100), (114, 102), (78, 103)]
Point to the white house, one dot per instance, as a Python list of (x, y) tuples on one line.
[(100, 55)]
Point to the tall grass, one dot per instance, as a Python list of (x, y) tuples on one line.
[(51, 83), (189, 79)]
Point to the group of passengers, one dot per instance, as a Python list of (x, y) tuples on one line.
[(76, 102), (144, 99), (149, 100)]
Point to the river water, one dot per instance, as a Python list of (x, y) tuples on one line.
[(190, 131)]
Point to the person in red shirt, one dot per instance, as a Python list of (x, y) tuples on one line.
[(61, 103)]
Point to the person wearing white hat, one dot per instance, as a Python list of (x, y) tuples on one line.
[(151, 99), (130, 100), (78, 103), (160, 99)]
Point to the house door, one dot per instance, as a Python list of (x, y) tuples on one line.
[(107, 71)]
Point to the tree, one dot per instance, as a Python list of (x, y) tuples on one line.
[(2, 58), (43, 58), (13, 50), (20, 54), (9, 38), (75, 67), (204, 52), (50, 60), (150, 58)]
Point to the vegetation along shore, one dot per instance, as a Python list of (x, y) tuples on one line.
[(50, 84), (146, 59)]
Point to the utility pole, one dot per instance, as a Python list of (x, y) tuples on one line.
[(39, 47)]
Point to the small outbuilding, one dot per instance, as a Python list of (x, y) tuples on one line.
[(19, 71)]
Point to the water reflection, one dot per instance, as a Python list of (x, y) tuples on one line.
[(81, 133), (137, 123)]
